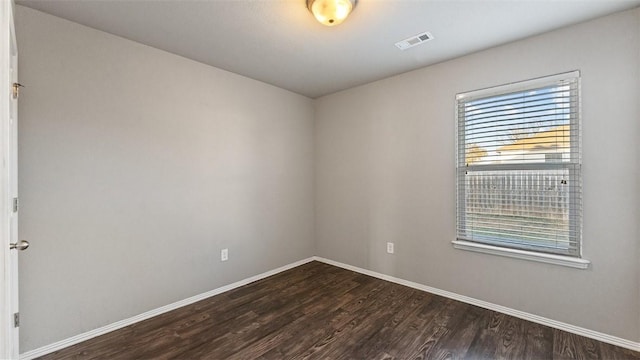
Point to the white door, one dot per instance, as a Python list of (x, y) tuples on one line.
[(9, 184)]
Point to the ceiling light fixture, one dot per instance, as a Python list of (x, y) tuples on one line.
[(331, 12)]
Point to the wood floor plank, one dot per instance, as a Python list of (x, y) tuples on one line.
[(280, 312), (336, 317), (457, 342), (572, 346), (318, 311), (376, 345), (413, 325), (361, 311), (423, 344), (611, 352), (371, 325), (485, 344), (270, 312), (511, 341), (539, 341)]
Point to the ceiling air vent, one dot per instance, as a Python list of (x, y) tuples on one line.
[(414, 40)]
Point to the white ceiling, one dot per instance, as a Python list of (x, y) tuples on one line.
[(279, 42)]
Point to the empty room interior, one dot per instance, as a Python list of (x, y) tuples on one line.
[(328, 179)]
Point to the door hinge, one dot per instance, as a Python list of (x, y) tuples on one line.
[(15, 204), (16, 319), (15, 90)]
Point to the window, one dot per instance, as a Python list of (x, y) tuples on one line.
[(519, 169)]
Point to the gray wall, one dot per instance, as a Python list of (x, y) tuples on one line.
[(385, 171), (136, 167)]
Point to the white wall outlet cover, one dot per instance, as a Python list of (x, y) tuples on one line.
[(224, 254), (390, 247)]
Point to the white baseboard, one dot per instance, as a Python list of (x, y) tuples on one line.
[(149, 314), (609, 339)]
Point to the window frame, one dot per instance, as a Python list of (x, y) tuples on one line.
[(574, 166)]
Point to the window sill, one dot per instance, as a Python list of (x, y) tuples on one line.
[(523, 254)]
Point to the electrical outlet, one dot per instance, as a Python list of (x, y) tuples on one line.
[(390, 248), (224, 254)]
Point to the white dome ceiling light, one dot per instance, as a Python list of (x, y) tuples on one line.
[(331, 12)]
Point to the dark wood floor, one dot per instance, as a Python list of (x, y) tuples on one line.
[(318, 311)]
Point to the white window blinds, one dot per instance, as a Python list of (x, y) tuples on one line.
[(518, 165)]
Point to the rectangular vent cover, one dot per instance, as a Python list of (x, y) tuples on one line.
[(414, 40)]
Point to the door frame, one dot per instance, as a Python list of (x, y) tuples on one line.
[(8, 333)]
